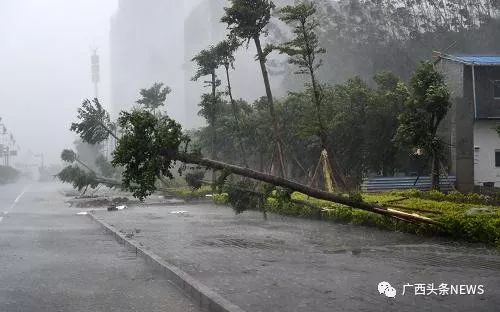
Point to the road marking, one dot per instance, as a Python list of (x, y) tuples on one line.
[(18, 198), (20, 195)]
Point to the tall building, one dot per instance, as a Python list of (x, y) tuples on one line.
[(202, 29), (146, 47), (155, 40)]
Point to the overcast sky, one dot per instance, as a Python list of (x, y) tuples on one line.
[(45, 48)]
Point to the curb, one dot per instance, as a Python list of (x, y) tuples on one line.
[(205, 297)]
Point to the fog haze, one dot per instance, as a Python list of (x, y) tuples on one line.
[(45, 64)]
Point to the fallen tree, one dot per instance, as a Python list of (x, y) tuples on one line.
[(298, 187), (151, 144)]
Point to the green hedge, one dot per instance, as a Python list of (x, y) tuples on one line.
[(454, 196), (451, 210), (8, 175), (188, 193)]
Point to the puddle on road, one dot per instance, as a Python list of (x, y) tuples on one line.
[(224, 242)]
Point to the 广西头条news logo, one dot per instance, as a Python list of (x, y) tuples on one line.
[(431, 289)]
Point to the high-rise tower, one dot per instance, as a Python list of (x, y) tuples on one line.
[(147, 47)]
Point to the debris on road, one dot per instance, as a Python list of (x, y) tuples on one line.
[(117, 208), (97, 202)]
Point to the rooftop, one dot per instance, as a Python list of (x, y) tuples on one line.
[(481, 60)]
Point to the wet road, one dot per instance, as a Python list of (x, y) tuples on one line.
[(287, 264), (53, 260)]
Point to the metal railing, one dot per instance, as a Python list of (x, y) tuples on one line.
[(381, 184)]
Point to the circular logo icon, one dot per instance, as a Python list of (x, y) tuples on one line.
[(386, 289)]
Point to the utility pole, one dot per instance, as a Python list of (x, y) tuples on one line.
[(4, 153), (96, 78), (4, 147), (95, 69), (42, 165)]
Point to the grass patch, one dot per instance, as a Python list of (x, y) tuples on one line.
[(466, 217), (188, 193)]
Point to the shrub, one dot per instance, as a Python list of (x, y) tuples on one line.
[(451, 210), (453, 196), (195, 179), (8, 175), (188, 193)]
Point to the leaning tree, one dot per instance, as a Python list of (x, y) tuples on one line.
[(151, 144), (304, 51), (426, 108), (207, 63), (225, 51), (247, 19), (155, 97)]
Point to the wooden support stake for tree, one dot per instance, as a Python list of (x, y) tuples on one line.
[(327, 171)]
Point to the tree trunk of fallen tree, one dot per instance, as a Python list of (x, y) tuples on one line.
[(294, 186), (114, 183)]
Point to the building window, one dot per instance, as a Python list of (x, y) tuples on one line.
[(496, 89), (497, 158)]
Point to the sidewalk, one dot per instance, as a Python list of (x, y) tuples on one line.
[(289, 264)]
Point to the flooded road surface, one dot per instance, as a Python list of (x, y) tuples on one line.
[(53, 260), (289, 264), (10, 195)]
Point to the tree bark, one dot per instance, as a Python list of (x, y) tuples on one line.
[(109, 131), (84, 165), (435, 171), (270, 100), (236, 118), (322, 133), (304, 189), (212, 126)]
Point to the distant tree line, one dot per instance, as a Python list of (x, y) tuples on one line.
[(339, 132), (363, 37), (8, 175), (321, 134)]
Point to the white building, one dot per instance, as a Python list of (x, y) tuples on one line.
[(474, 81)]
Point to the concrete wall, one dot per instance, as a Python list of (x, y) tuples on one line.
[(487, 105), (457, 128), (486, 142), (454, 80), (464, 127)]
